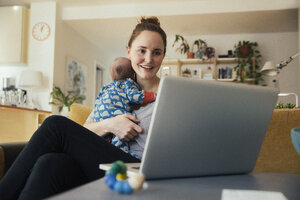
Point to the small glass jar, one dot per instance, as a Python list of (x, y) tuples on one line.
[(2, 97), (21, 98)]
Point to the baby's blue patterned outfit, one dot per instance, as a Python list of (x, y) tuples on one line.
[(117, 98)]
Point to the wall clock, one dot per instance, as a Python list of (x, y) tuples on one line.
[(41, 31)]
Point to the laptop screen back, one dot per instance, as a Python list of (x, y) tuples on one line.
[(203, 128)]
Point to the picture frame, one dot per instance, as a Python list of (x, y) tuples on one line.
[(75, 81), (208, 76), (165, 71), (196, 73)]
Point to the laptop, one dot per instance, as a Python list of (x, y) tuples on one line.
[(204, 127)]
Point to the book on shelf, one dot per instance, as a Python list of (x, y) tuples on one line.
[(226, 73)]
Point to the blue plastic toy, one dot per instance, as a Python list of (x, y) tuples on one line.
[(116, 179), (295, 134)]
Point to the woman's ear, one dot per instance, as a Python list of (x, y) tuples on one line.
[(128, 51)]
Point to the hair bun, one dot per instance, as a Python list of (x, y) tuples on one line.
[(150, 20)]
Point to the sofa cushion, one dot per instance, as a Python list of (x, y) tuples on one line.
[(8, 154), (79, 113)]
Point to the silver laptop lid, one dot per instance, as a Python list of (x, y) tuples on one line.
[(206, 128)]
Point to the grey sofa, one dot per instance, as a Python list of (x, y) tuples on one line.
[(8, 154)]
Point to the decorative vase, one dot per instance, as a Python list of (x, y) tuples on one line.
[(65, 111), (190, 54), (199, 54)]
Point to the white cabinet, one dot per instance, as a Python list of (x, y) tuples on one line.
[(14, 34)]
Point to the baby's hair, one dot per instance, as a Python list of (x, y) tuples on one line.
[(120, 71), (148, 24)]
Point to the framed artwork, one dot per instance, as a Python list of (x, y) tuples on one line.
[(197, 73), (98, 78), (76, 77), (165, 71), (207, 75)]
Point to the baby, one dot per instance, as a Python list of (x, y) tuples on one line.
[(118, 97)]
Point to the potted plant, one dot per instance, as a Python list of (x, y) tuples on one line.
[(64, 101), (249, 59), (187, 73), (281, 105), (201, 48), (185, 47)]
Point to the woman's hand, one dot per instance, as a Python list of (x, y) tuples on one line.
[(123, 126)]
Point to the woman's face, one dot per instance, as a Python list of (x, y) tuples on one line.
[(146, 54)]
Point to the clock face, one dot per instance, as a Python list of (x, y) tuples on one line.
[(41, 31)]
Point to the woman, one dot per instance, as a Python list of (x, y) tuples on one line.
[(77, 151)]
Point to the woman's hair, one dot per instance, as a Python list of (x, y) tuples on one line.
[(148, 24)]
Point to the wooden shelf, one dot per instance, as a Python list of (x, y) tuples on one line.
[(179, 62), (225, 79), (231, 79), (226, 60), (195, 61), (187, 61)]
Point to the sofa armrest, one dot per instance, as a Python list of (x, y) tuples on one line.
[(8, 154)]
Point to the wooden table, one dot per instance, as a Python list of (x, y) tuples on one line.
[(18, 124)]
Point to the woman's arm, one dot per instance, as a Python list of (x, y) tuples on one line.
[(123, 126)]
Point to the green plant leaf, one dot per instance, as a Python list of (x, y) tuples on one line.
[(281, 105), (247, 63), (184, 46), (60, 99)]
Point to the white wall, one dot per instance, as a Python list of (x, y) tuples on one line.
[(183, 7), (41, 53), (70, 43)]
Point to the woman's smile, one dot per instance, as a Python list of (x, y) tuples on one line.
[(148, 68)]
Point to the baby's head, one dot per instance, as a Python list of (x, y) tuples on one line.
[(121, 69)]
